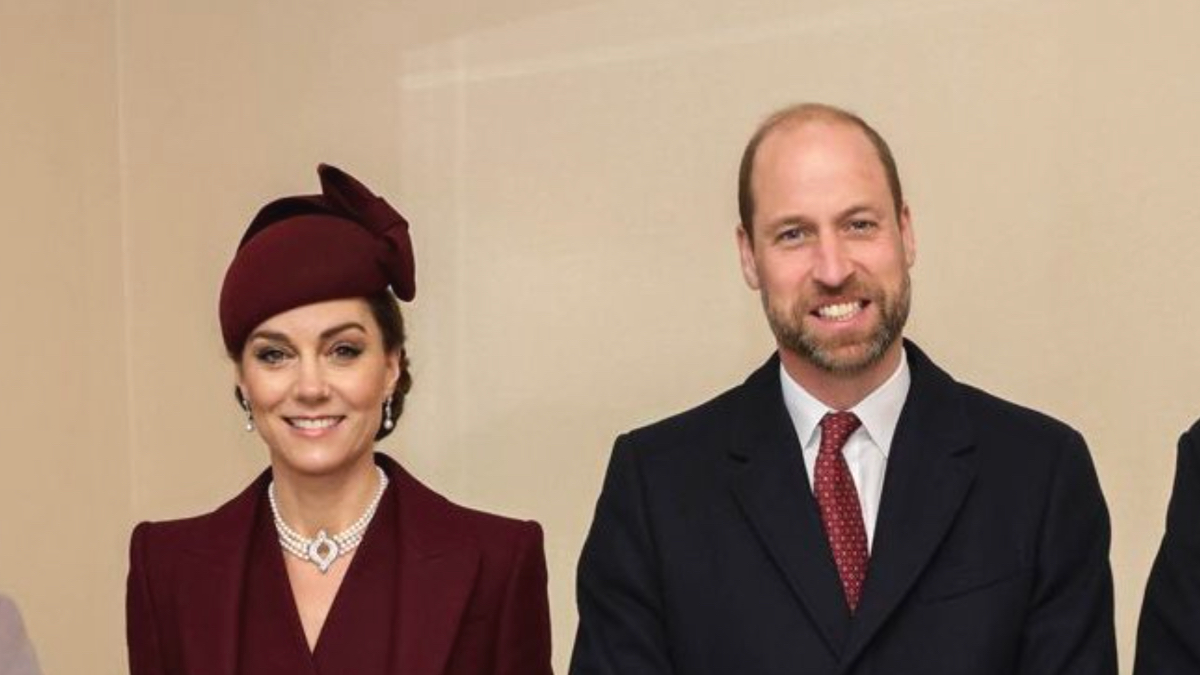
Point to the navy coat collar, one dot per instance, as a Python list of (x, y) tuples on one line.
[(929, 473)]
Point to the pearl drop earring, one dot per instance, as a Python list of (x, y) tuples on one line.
[(249, 414), (388, 422)]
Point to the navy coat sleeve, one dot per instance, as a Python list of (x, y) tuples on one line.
[(1168, 638), (1069, 627), (621, 628)]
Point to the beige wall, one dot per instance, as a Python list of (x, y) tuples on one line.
[(568, 168), (64, 481)]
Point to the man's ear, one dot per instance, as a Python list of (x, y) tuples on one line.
[(746, 254), (907, 238)]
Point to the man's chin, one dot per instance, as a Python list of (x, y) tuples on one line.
[(843, 360), (844, 357), (842, 351)]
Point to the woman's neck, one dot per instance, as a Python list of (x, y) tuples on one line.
[(330, 502)]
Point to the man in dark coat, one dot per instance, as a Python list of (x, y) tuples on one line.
[(850, 508)]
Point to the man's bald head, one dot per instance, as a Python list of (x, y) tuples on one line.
[(800, 114)]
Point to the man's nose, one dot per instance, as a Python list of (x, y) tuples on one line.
[(832, 266)]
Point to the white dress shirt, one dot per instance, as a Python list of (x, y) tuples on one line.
[(866, 451)]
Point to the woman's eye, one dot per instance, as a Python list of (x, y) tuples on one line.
[(270, 355), (346, 352)]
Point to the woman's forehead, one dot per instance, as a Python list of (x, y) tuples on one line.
[(320, 319)]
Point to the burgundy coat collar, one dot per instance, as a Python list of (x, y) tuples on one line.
[(436, 573)]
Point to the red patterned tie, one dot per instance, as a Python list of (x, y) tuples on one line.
[(840, 512)]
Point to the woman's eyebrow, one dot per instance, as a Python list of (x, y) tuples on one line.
[(325, 334), (268, 335), (328, 333)]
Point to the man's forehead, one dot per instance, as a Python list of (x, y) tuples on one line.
[(815, 168), (817, 149), (823, 134)]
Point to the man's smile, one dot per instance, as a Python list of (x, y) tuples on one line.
[(840, 311)]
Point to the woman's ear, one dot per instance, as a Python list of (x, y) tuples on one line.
[(395, 366)]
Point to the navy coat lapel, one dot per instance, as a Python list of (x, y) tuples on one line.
[(929, 473), (771, 486), (437, 571), (208, 606)]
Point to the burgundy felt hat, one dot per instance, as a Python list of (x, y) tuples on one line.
[(343, 243)]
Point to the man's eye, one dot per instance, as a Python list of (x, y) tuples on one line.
[(270, 355), (790, 234), (862, 225)]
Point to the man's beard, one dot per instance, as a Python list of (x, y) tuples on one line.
[(823, 353)]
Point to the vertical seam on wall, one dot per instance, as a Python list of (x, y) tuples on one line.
[(461, 220), (126, 272)]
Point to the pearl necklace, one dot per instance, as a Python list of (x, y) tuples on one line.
[(324, 549)]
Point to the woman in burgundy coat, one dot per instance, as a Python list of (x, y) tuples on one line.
[(335, 560)]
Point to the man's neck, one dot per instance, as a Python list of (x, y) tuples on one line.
[(841, 391)]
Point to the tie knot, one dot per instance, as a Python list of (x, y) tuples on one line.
[(836, 427)]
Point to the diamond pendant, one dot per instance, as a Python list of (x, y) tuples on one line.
[(323, 561)]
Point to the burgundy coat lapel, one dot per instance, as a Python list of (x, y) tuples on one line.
[(214, 566), (359, 633), (437, 572)]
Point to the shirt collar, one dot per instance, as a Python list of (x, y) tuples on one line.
[(879, 412)]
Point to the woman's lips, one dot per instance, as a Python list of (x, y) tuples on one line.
[(314, 426)]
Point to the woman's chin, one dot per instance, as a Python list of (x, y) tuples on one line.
[(317, 459)]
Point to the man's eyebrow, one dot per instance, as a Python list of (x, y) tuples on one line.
[(795, 219), (854, 210), (789, 219)]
